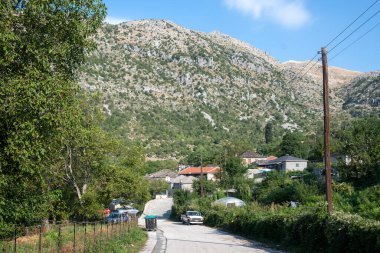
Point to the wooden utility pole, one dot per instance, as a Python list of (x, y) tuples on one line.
[(327, 130), (202, 190)]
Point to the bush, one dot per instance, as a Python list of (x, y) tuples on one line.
[(182, 200), (305, 230)]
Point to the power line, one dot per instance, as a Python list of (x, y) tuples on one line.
[(365, 22), (312, 66), (344, 49), (299, 72), (345, 29)]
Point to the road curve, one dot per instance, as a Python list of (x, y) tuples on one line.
[(174, 237)]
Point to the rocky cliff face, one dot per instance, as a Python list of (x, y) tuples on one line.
[(167, 85)]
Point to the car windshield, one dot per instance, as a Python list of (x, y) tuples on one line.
[(113, 215), (194, 213)]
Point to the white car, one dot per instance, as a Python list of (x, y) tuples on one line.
[(192, 217)]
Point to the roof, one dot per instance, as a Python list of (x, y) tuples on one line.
[(286, 158), (198, 170), (253, 171), (251, 154), (226, 200), (184, 179), (272, 157), (162, 174)]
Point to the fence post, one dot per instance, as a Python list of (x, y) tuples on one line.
[(15, 239), (74, 236), (101, 234), (85, 235), (39, 239), (107, 230), (94, 235), (59, 237)]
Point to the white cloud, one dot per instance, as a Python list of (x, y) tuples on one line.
[(287, 13), (115, 20)]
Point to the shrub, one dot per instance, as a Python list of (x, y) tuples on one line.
[(303, 229)]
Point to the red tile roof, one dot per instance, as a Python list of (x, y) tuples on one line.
[(197, 170), (270, 158)]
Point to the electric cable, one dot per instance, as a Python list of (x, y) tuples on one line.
[(345, 29), (352, 43), (365, 22)]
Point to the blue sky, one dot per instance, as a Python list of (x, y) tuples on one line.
[(286, 29)]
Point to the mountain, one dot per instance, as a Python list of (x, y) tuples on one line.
[(338, 77), (361, 96), (173, 88)]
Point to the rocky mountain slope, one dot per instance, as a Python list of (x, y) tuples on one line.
[(173, 88), (338, 77), (362, 95)]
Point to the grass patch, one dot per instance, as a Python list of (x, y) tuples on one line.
[(95, 237)]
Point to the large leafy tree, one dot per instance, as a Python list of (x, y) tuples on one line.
[(294, 144), (42, 43), (360, 141)]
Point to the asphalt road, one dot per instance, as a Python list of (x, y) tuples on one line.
[(174, 237)]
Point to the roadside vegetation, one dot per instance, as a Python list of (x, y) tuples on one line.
[(56, 161), (269, 216), (81, 237)]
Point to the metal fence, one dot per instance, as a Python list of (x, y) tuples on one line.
[(63, 237)]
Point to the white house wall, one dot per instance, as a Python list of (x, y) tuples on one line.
[(295, 166)]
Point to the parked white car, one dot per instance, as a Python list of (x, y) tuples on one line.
[(192, 217)]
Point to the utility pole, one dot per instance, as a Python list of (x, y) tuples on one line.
[(202, 192), (326, 111)]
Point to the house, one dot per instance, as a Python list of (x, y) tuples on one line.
[(249, 157), (288, 163), (257, 174), (336, 158), (264, 163), (183, 182), (209, 172), (166, 175)]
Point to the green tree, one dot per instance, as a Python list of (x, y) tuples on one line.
[(268, 132), (209, 186), (294, 143), (85, 147), (234, 167), (158, 186), (41, 46), (154, 166), (360, 141)]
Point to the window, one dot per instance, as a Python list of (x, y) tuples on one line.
[(297, 164)]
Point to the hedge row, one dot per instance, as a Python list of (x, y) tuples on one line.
[(306, 231)]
